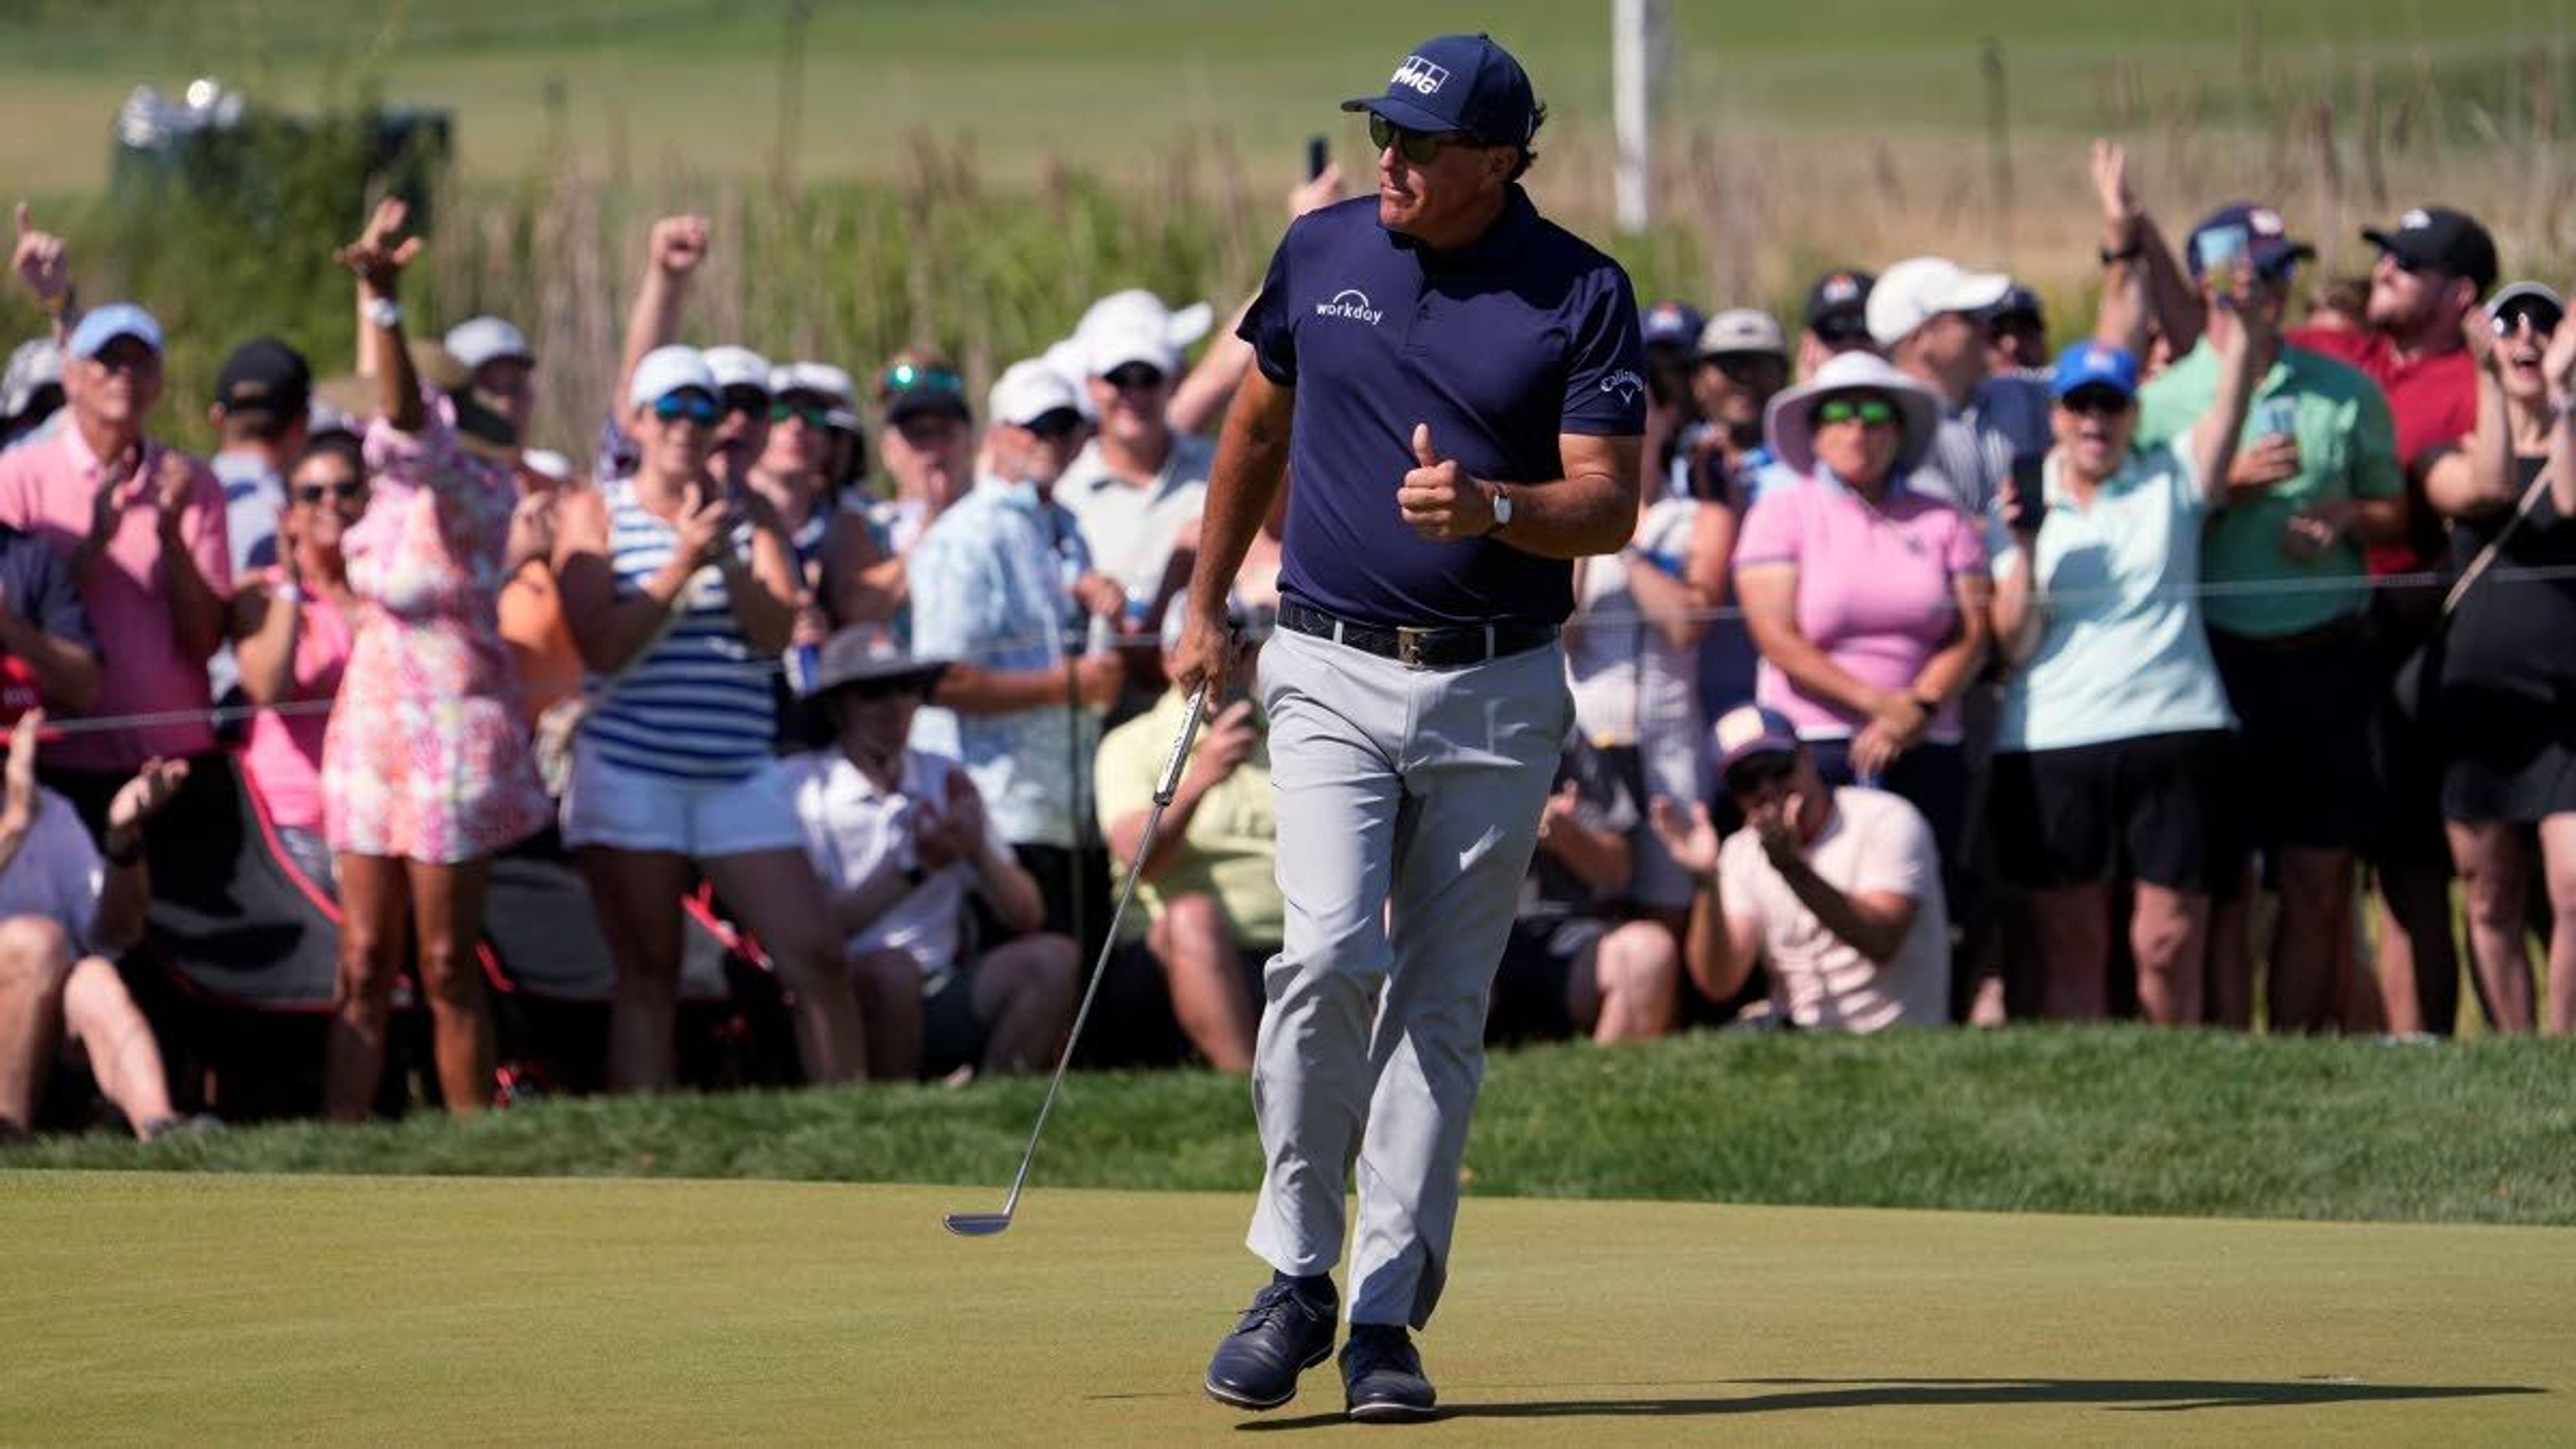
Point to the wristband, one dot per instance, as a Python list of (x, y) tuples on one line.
[(1929, 703), (129, 855), (2129, 253), (384, 312)]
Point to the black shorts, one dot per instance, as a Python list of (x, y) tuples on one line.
[(1543, 962), (2152, 807), (2306, 777)]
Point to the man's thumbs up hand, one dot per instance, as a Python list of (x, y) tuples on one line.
[(1437, 498)]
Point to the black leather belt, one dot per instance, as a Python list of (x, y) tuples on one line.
[(1447, 646)]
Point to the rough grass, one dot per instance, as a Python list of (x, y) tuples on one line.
[(2081, 1121)]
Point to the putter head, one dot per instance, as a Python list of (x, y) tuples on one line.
[(976, 1225)]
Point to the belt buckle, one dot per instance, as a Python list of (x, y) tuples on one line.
[(1408, 647)]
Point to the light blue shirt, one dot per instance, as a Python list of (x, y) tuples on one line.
[(992, 587), (2123, 653)]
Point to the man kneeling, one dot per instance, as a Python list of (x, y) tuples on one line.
[(900, 838), (62, 908)]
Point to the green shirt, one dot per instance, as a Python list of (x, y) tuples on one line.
[(2347, 450), (1231, 849)]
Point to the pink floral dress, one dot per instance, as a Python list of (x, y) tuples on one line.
[(427, 754)]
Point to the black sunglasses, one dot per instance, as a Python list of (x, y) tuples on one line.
[(1133, 376), (2544, 318), (1839, 327), (1746, 776), (1057, 425), (745, 399), (342, 488), (1418, 148), (2107, 402)]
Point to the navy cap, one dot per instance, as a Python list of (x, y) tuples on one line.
[(1459, 83), (1672, 324), (265, 375), (2268, 243), (1841, 293), (2095, 365)]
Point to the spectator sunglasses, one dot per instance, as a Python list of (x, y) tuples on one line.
[(1746, 776), (1869, 412), (2105, 402), (338, 490), (812, 414), (1130, 377), (688, 403), (2543, 317), (1056, 425), (1418, 148)]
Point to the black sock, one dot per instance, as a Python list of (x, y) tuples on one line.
[(1316, 1289)]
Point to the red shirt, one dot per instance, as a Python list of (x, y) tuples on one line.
[(2434, 402)]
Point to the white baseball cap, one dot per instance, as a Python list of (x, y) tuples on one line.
[(1125, 341), (478, 340), (1136, 305), (1918, 289), (1742, 329), (819, 378), (666, 370), (1028, 391), (738, 367)]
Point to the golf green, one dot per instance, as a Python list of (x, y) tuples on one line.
[(342, 1310)]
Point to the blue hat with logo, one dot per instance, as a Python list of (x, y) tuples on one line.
[(2267, 242), (2095, 364), (102, 325), (1459, 83), (1672, 324)]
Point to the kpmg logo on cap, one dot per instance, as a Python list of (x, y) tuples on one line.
[(1625, 383), (1420, 75), (1351, 304)]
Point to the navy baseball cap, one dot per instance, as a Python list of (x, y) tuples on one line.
[(1748, 730), (1459, 83), (1672, 324), (2095, 365), (2268, 243)]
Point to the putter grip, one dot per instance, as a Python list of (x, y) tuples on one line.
[(1171, 781)]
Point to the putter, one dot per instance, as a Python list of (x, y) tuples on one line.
[(985, 1225)]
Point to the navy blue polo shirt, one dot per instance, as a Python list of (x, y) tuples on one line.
[(1501, 346)]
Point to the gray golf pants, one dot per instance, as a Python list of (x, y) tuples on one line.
[(1408, 805)]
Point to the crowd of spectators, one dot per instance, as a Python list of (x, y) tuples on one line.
[(1943, 680)]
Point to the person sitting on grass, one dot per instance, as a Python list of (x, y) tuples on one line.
[(65, 907), (899, 838), (1210, 890), (1837, 891), (1570, 965)]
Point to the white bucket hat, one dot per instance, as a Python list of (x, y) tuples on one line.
[(1789, 423)]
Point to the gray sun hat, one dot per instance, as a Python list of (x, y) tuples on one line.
[(866, 653), (1789, 424)]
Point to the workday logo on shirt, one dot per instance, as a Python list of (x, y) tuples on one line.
[(1352, 304), (1419, 74)]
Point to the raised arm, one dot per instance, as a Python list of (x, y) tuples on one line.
[(2558, 365), (378, 257), (2214, 437), (673, 250), (43, 264)]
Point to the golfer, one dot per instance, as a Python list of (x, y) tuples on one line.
[(1455, 384)]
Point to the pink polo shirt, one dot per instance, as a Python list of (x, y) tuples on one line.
[(46, 488), (1876, 589)]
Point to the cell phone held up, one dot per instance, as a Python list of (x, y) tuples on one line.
[(1318, 156), (2217, 253)]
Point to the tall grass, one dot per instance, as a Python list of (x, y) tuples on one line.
[(850, 270)]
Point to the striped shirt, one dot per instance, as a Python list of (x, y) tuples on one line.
[(698, 705)]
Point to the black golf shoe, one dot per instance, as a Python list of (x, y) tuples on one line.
[(1286, 1331), (1382, 1376)]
